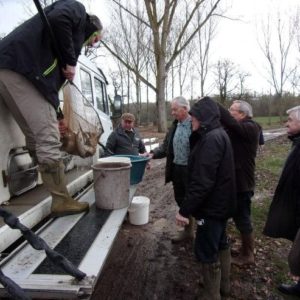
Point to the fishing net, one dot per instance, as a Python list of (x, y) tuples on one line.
[(83, 124)]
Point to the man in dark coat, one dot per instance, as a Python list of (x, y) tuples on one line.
[(125, 139), (284, 215), (210, 196), (244, 135), (176, 148), (31, 74)]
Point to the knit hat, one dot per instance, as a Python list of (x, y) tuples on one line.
[(128, 117)]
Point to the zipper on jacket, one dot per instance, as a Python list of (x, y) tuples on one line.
[(51, 68)]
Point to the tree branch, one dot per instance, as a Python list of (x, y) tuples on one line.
[(131, 13), (129, 67), (177, 50)]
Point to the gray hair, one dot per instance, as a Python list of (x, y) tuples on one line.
[(181, 101), (245, 107), (295, 111)]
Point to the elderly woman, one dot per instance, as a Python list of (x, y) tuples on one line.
[(284, 216)]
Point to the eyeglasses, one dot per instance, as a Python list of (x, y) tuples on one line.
[(233, 109)]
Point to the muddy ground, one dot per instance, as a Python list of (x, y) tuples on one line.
[(144, 264)]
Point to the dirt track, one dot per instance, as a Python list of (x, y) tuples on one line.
[(143, 263)]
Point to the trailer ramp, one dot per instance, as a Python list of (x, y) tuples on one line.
[(85, 239)]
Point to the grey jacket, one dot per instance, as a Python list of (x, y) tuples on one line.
[(119, 142)]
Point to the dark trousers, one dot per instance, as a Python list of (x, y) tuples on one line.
[(242, 217), (180, 182), (210, 239)]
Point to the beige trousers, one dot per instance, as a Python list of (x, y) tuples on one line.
[(33, 113)]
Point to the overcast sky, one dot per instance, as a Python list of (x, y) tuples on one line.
[(236, 40)]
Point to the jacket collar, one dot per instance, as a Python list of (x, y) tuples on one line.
[(295, 139)]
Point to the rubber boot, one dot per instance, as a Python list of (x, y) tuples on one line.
[(225, 261), (187, 234), (246, 256), (211, 281), (54, 179), (293, 290)]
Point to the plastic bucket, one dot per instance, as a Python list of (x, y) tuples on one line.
[(111, 184), (139, 210), (138, 165)]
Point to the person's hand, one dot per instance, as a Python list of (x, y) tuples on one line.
[(181, 221), (69, 72), (145, 154), (62, 127)]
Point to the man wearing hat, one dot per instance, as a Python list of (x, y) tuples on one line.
[(125, 139)]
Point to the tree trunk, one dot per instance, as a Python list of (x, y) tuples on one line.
[(138, 107), (128, 89), (160, 95), (147, 93)]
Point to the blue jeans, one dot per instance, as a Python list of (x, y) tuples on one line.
[(242, 217), (210, 239)]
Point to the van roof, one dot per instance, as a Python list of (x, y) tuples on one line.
[(87, 63)]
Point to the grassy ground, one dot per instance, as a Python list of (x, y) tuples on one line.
[(260, 281), (269, 122)]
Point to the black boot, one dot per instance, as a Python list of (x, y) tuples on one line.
[(287, 289)]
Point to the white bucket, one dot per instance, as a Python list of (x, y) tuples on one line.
[(139, 210)]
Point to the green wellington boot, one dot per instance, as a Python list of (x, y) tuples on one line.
[(211, 281), (55, 182), (225, 261), (246, 255)]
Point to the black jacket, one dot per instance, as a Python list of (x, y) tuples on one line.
[(166, 150), (244, 136), (211, 183), (28, 49), (284, 215), (119, 142)]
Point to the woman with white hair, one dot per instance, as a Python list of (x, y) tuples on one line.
[(284, 215)]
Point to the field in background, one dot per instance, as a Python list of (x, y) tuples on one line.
[(269, 122)]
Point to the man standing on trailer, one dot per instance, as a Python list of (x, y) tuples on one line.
[(30, 78)]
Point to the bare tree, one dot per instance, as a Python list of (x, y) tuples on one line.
[(225, 71), (160, 19), (242, 76), (128, 41), (277, 54), (295, 76), (295, 81), (203, 46)]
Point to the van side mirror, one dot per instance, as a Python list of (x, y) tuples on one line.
[(118, 106)]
